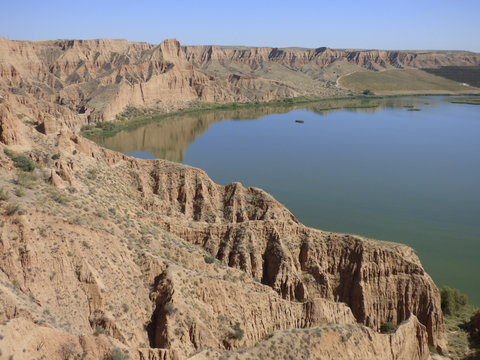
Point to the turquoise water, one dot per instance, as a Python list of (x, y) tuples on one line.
[(405, 176)]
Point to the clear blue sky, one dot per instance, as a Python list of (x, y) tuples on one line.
[(420, 24)]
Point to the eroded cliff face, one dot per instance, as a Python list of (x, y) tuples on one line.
[(249, 230), (152, 257), (81, 81), (101, 251)]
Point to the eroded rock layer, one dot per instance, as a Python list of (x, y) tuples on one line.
[(102, 254), (94, 80), (109, 253)]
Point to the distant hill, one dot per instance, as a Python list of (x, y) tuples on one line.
[(94, 80)]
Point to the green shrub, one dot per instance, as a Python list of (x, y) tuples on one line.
[(210, 259), (55, 156), (116, 354), (367, 92), (20, 161), (9, 153), (238, 332), (388, 327), (24, 163), (452, 300)]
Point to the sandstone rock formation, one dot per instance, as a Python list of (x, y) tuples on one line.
[(102, 253), (94, 80), (146, 255)]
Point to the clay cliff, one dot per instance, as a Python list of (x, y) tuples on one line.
[(104, 252), (94, 80), (103, 255)]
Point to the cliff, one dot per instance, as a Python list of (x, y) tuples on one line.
[(153, 258), (102, 253), (94, 80)]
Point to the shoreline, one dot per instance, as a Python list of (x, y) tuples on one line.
[(125, 122), (107, 129)]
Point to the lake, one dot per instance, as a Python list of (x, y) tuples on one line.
[(377, 168)]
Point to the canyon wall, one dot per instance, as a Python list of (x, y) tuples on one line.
[(94, 80), (102, 253), (153, 258)]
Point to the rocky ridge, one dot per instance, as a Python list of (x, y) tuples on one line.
[(94, 80)]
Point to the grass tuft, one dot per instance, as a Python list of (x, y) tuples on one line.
[(12, 208), (26, 179)]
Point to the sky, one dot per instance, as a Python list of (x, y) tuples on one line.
[(420, 24)]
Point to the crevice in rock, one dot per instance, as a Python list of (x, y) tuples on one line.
[(271, 265), (161, 294)]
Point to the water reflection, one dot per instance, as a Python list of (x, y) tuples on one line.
[(169, 138)]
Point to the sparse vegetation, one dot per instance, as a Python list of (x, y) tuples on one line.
[(473, 327), (99, 330), (26, 179), (55, 156), (237, 332), (471, 100), (452, 300), (19, 192), (92, 173), (388, 327), (3, 195), (209, 259), (169, 308), (116, 354), (20, 161), (12, 208), (460, 318), (58, 197), (68, 351)]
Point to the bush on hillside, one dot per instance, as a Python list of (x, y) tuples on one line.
[(388, 327), (117, 354), (473, 327), (210, 259), (20, 161), (452, 300)]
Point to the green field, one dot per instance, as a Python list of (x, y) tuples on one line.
[(404, 81)]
